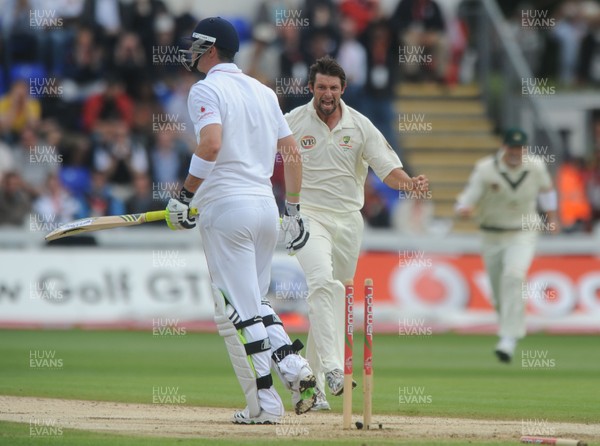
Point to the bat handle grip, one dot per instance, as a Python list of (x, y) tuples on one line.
[(161, 215)]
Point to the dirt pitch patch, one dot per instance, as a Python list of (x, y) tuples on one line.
[(211, 422)]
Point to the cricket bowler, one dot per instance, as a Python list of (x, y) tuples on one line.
[(337, 145)]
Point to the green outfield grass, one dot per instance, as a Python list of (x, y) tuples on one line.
[(439, 375)]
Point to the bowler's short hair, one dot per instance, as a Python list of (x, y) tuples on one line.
[(329, 67)]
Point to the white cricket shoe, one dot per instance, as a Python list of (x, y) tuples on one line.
[(321, 401), (505, 349), (302, 382), (335, 381), (243, 417)]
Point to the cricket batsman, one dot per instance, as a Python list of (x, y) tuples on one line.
[(239, 128), (337, 145), (506, 188)]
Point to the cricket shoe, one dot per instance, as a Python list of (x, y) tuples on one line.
[(505, 349), (302, 382), (264, 417), (335, 381), (321, 401)]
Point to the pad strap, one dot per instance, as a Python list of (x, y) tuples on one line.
[(255, 347), (243, 324), (264, 382), (286, 350), (271, 319)]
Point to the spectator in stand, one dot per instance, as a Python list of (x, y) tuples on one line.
[(23, 41), (140, 19), (169, 160), (363, 12), (7, 161), (112, 104), (568, 32), (293, 65), (176, 104), (148, 114), (120, 157), (574, 209), (56, 205), (259, 58), (18, 110), (352, 56), (129, 63), (75, 171), (421, 26), (381, 79), (57, 40), (100, 199), (593, 186), (15, 203), (165, 38), (35, 161), (589, 53), (375, 211), (108, 17), (83, 75), (143, 199)]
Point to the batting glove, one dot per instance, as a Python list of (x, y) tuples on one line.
[(178, 211), (295, 228)]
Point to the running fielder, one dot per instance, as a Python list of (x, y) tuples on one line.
[(239, 128), (338, 144), (506, 188)]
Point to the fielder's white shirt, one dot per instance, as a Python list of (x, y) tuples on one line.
[(335, 162), (252, 124), (506, 198)]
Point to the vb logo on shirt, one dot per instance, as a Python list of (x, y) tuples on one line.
[(308, 142)]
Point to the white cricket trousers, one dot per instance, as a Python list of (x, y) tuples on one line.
[(239, 235), (507, 257), (328, 260)]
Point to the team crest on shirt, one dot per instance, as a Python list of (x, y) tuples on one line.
[(308, 142), (345, 142)]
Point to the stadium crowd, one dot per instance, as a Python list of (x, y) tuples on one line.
[(93, 99)]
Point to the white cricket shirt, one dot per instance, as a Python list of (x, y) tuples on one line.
[(335, 162), (506, 198), (252, 124)]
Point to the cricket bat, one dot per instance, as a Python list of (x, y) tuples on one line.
[(551, 440), (108, 222)]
